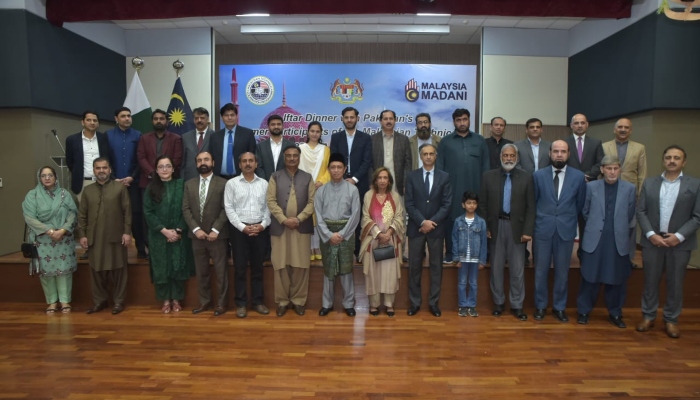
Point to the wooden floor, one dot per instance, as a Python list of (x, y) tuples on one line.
[(142, 354)]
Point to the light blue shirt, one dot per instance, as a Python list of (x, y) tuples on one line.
[(224, 156), (535, 153), (667, 201)]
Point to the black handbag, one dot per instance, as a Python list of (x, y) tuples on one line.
[(29, 248), (384, 253)]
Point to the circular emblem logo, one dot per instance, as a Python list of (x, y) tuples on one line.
[(259, 90), (411, 95)]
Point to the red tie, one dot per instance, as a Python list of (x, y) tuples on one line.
[(200, 142)]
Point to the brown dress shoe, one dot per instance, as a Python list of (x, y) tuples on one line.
[(97, 308), (117, 309), (672, 330), (645, 325), (261, 309)]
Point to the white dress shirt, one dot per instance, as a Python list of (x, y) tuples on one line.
[(245, 202), (91, 151), (667, 201)]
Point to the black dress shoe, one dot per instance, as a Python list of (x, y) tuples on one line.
[(281, 310), (412, 311), (435, 311), (117, 308), (97, 308), (299, 310), (582, 319), (390, 313), (539, 314), (350, 312), (617, 321), (560, 315), (324, 311), (200, 309), (219, 311), (498, 310), (519, 314), (374, 313)]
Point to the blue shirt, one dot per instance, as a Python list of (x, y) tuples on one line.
[(224, 155), (123, 145)]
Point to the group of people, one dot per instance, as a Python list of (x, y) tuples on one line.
[(366, 198)]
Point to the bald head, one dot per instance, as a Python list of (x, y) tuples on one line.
[(623, 130), (579, 124)]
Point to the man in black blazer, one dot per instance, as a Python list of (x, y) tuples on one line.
[(668, 211), (428, 200), (356, 146), (228, 144), (269, 151), (82, 149), (507, 201), (585, 155)]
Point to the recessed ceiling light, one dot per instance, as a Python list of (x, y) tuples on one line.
[(253, 15), (433, 15)]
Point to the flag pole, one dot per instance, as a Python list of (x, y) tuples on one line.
[(178, 65), (138, 63)]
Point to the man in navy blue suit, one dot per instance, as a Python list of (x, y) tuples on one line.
[(356, 146), (560, 193)]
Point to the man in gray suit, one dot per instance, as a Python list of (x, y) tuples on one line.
[(668, 212), (424, 135), (194, 142), (533, 148), (269, 151), (392, 150), (508, 203)]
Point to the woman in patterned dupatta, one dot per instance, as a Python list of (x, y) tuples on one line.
[(382, 225), (50, 213), (314, 160)]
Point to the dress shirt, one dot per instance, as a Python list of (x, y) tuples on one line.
[(276, 148), (421, 142), (224, 156), (90, 152), (621, 151), (389, 152), (245, 202), (536, 153), (206, 191), (350, 138), (562, 174), (124, 144), (667, 201)]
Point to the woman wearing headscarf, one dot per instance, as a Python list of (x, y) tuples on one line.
[(51, 213)]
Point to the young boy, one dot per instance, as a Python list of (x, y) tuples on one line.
[(469, 248)]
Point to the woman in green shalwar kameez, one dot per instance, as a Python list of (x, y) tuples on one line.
[(50, 213), (170, 250)]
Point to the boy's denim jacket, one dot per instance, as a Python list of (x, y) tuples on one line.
[(475, 235)]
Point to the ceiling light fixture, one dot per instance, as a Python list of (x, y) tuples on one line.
[(375, 29), (433, 15), (253, 15)]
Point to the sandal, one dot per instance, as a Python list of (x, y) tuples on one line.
[(166, 308), (66, 308), (52, 308), (176, 306)]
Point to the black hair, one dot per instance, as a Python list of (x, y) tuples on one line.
[(309, 127), (200, 110), (157, 188), (459, 112), (470, 196), (531, 120), (673, 147), (274, 117), (119, 110), (86, 112), (346, 109), (228, 107)]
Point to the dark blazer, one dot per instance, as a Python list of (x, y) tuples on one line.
[(685, 218), (360, 156), (402, 157), (558, 216), (146, 154), (213, 215), (74, 157), (522, 201), (592, 155), (526, 159), (190, 151), (594, 213), (263, 153), (243, 141), (421, 206)]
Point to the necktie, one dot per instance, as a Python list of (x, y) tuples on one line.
[(579, 148), (427, 183), (230, 169), (556, 183), (202, 197), (200, 142), (507, 188)]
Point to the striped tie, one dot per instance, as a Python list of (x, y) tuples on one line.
[(202, 197)]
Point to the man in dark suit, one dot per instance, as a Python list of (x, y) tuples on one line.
[(496, 142), (586, 155), (508, 204), (204, 213), (82, 149), (194, 142), (396, 155), (159, 142), (668, 212), (428, 201), (560, 192), (269, 151), (356, 146), (229, 143)]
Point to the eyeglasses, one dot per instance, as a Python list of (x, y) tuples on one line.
[(45, 176), (165, 167)]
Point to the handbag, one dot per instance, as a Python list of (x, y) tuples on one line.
[(28, 248), (384, 253)]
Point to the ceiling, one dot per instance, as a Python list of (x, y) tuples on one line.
[(463, 29)]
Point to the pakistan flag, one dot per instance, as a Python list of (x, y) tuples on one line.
[(140, 107)]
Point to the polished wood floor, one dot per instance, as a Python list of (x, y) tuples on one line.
[(143, 354)]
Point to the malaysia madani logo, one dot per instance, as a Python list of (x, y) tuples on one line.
[(411, 90), (346, 92), (259, 90)]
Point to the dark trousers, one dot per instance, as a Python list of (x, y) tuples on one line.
[(547, 251), (588, 295), (448, 243), (100, 285), (581, 229), (675, 262), (248, 251), (138, 224), (203, 250), (415, 268)]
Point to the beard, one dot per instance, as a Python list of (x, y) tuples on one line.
[(423, 133), (507, 165), (158, 127), (558, 164), (349, 126), (275, 132), (463, 129), (204, 169)]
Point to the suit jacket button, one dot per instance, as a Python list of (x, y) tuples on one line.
[(427, 201)]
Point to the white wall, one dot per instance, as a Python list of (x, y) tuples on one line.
[(158, 78)]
